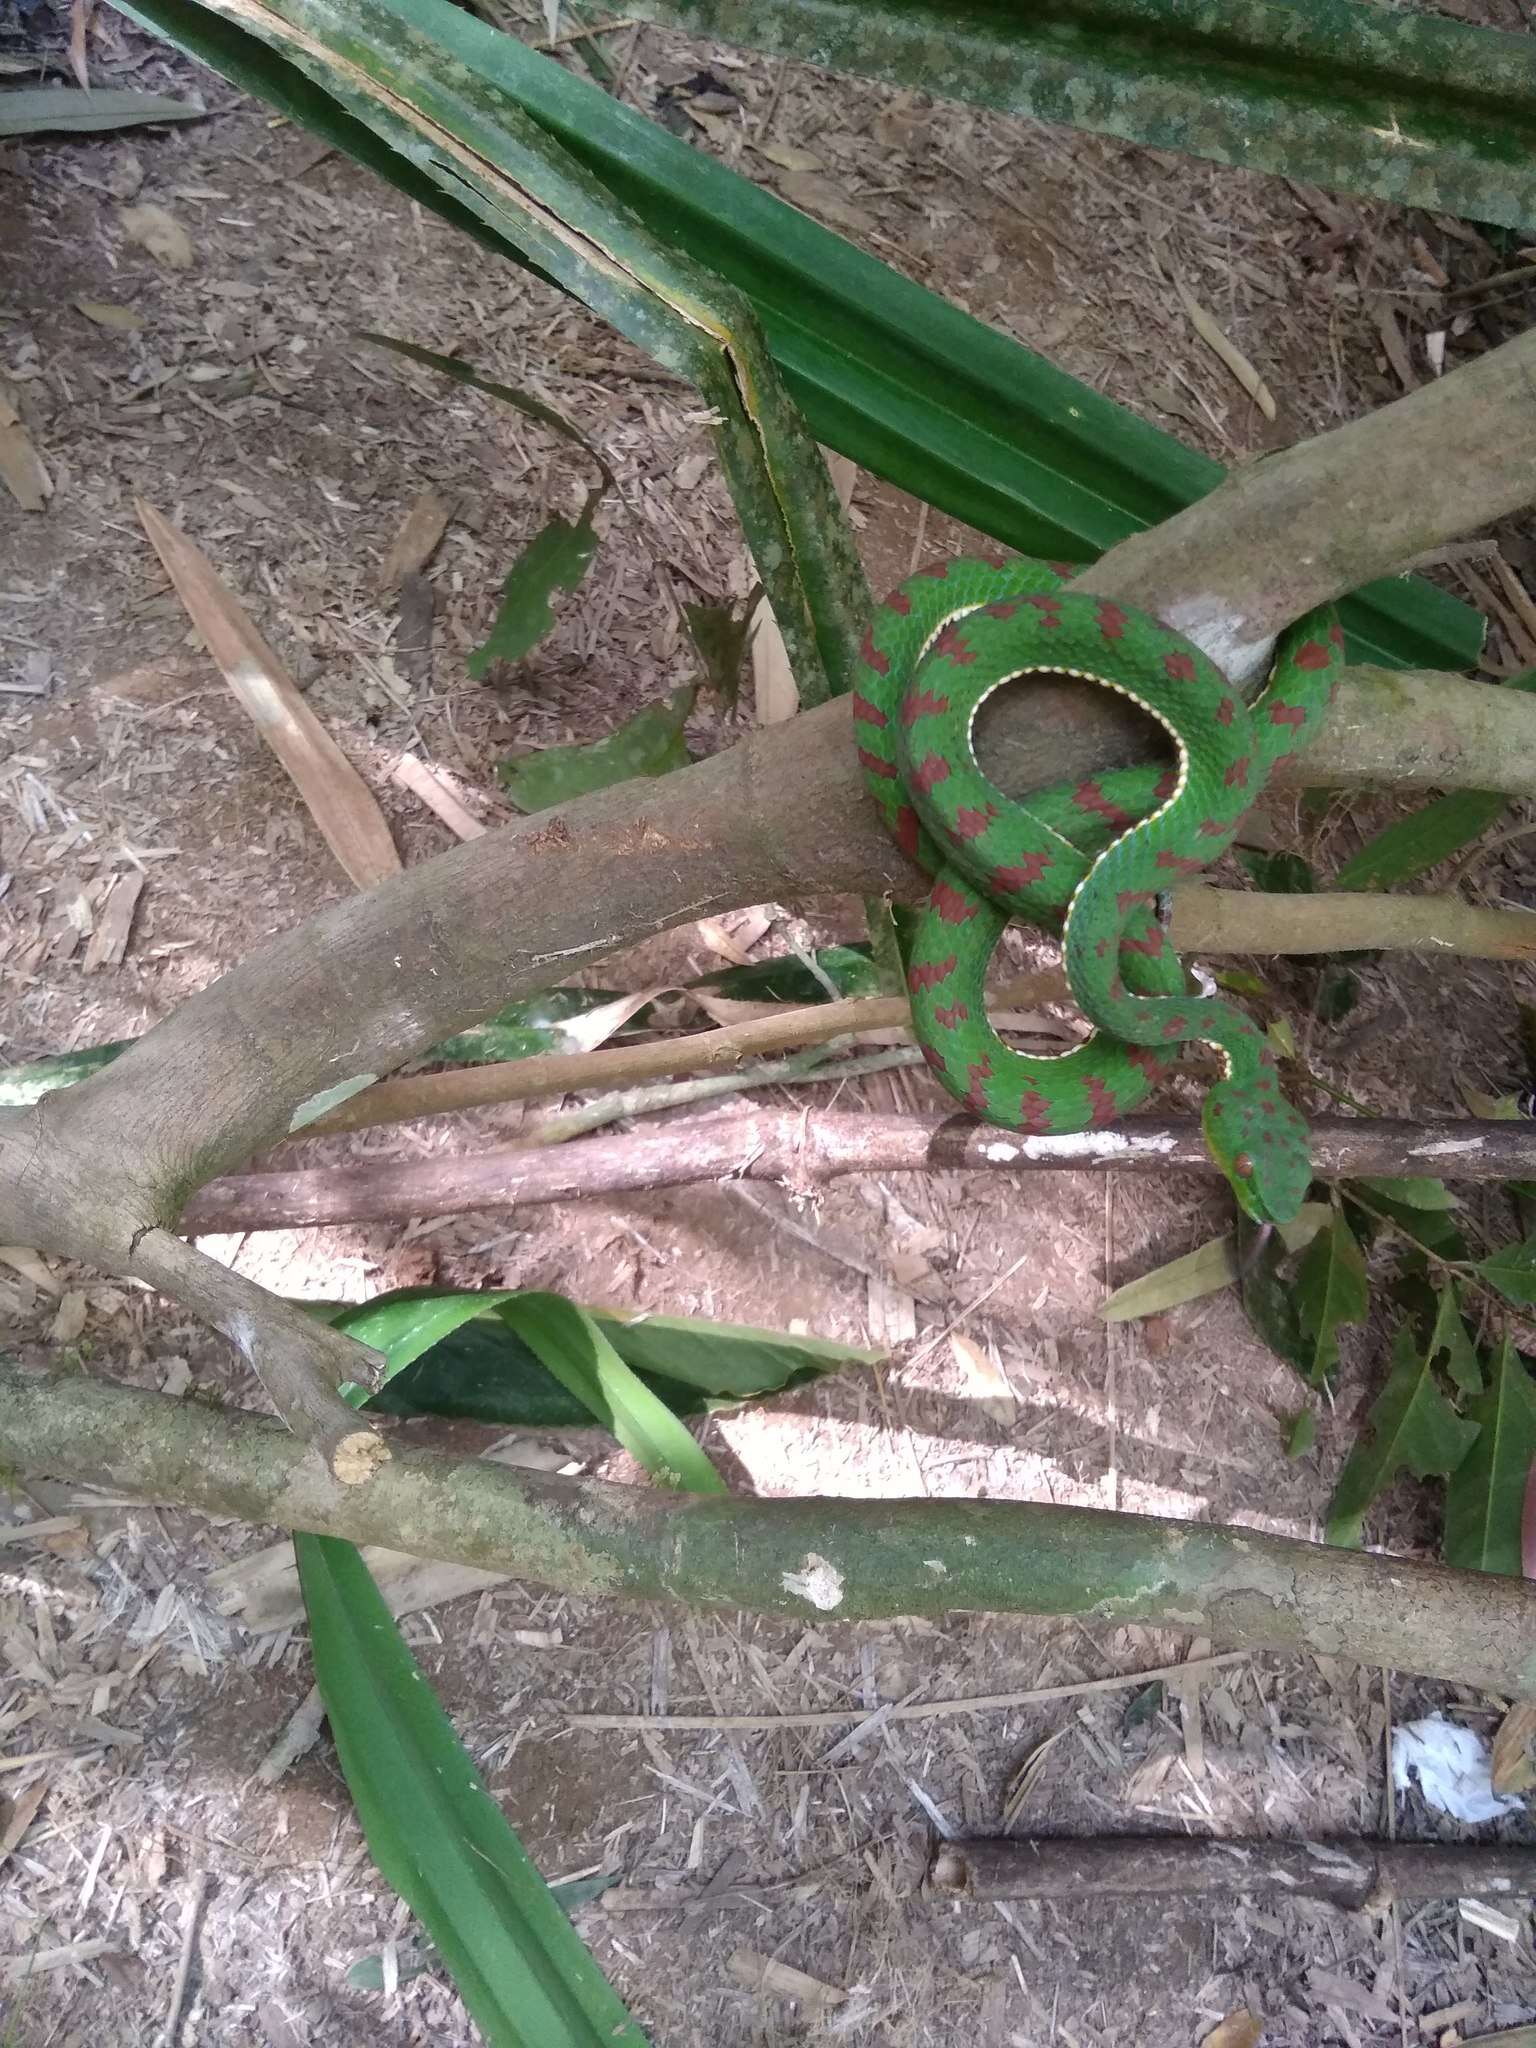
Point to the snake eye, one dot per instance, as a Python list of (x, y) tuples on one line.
[(1242, 1165)]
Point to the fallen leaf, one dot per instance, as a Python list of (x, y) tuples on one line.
[(1024, 1780), (1222, 346), (1240, 2029), (416, 542), (160, 233), (21, 467), (1514, 1765), (777, 1980), (788, 158), (814, 195), (338, 799), (122, 318), (69, 1318), (985, 1381), (43, 110)]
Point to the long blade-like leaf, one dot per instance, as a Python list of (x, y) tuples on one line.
[(64, 110), (436, 1833), (583, 1359), (1396, 103), (448, 1352), (906, 385)]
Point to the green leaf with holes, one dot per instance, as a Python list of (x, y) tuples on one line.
[(1512, 1269), (1331, 1290), (557, 558), (1411, 1426), (650, 743), (1485, 1500), (1448, 1339)]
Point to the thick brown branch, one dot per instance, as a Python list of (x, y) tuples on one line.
[(813, 1559), (804, 1149)]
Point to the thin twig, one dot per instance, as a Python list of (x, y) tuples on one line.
[(914, 1710), (814, 1064), (190, 1924)]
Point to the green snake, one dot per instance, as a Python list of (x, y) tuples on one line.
[(1093, 859)]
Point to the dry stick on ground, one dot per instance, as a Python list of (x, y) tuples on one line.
[(805, 1148), (1205, 921), (808, 1559), (1353, 1873), (372, 982)]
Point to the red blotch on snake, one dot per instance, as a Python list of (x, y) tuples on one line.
[(951, 1015), (1025, 875), (977, 1072), (1179, 668), (873, 765), (922, 704), (953, 646), (1287, 714), (871, 714), (929, 973), (1178, 864), (871, 655), (933, 768), (951, 905), (1105, 1108), (1313, 655), (1236, 776), (1089, 797), (1112, 621), (970, 824)]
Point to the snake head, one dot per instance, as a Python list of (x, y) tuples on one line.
[(1262, 1145)]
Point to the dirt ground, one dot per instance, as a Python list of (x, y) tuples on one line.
[(231, 393)]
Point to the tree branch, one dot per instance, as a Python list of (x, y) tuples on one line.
[(804, 1149), (855, 1559), (374, 981)]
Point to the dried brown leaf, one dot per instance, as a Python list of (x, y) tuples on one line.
[(1226, 349), (339, 800), (122, 318), (160, 232), (1025, 1778), (1514, 1749), (22, 469), (777, 1980), (417, 541), (1240, 2029)]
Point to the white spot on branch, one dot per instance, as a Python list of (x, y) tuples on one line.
[(1216, 631), (1077, 1145), (1443, 1146), (817, 1581)]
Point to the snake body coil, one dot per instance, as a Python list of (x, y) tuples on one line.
[(1091, 858)]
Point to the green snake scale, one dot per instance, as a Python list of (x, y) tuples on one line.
[(1091, 859)]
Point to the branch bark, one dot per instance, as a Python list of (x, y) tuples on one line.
[(804, 1149), (1352, 1874), (372, 982), (856, 1559)]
